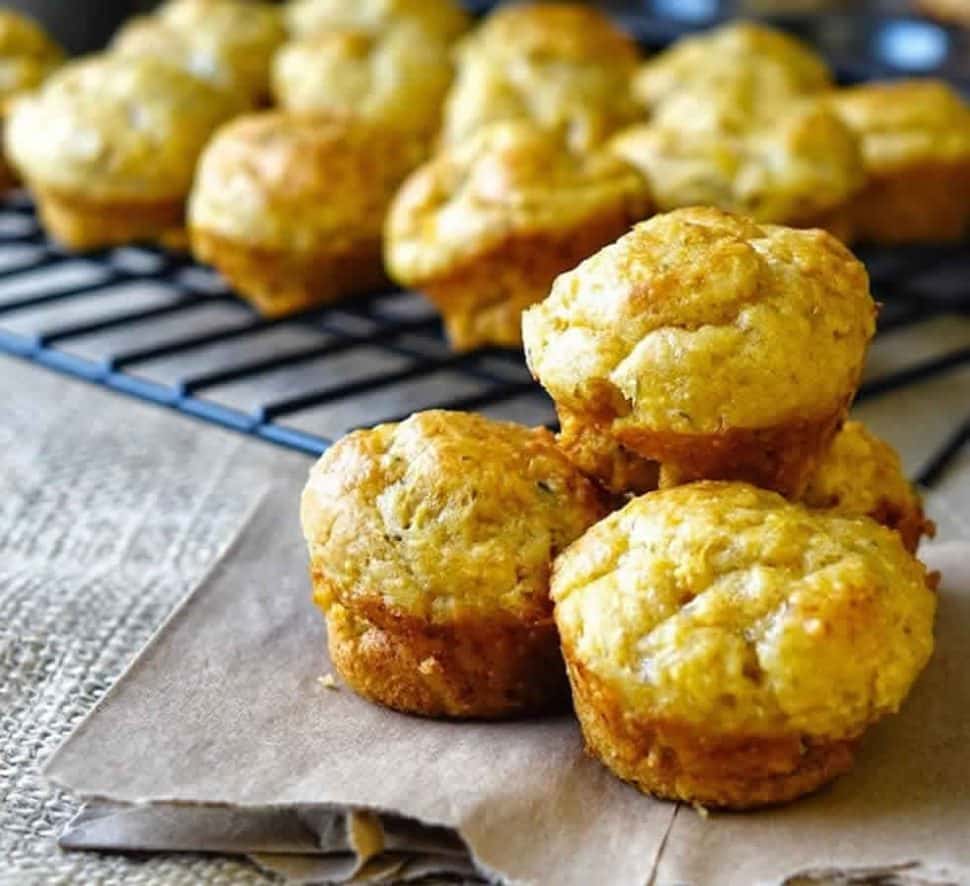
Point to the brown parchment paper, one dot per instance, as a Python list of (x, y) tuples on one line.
[(225, 706)]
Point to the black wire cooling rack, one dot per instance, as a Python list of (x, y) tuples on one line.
[(155, 326)]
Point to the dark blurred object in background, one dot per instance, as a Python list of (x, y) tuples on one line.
[(81, 26)]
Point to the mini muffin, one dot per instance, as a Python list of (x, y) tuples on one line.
[(956, 12), (27, 57), (431, 544), (862, 474), (915, 138), (398, 78), (227, 42), (753, 69), (484, 227), (723, 349), (109, 146), (561, 65), (728, 648), (290, 208), (799, 171), (442, 19)]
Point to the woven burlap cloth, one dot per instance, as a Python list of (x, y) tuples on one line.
[(110, 510)]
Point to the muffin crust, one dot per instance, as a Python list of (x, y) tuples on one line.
[(431, 543), (109, 147), (729, 648), (915, 140), (560, 65), (441, 19), (229, 43), (798, 171), (860, 474), (290, 207), (398, 78), (718, 347), (485, 226)]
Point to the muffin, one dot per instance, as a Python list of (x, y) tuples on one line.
[(728, 648), (752, 69), (441, 19), (915, 138), (721, 348), (861, 474), (485, 226), (27, 57), (290, 207), (109, 145), (397, 78), (955, 12), (431, 544), (227, 42), (560, 65), (799, 171)]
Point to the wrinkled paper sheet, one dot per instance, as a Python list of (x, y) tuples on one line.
[(223, 736)]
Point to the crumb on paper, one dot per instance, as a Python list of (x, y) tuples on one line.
[(327, 682), (702, 811)]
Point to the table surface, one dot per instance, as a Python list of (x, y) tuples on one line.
[(111, 510)]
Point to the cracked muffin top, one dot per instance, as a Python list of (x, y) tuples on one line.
[(442, 19), (560, 65), (906, 122), (745, 69), (804, 165), (294, 182), (510, 179), (227, 42), (698, 320), (724, 607), (443, 516), (113, 127), (398, 78)]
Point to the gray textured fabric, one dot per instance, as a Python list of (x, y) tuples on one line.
[(109, 511)]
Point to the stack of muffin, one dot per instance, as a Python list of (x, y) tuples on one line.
[(473, 165), (719, 567)]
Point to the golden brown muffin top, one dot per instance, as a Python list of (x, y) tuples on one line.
[(510, 179), (297, 182), (229, 42), (806, 163), (906, 122), (398, 78), (110, 127), (558, 65), (699, 320), (861, 474), (725, 608), (566, 31), (27, 54), (443, 19), (753, 68), (445, 516)]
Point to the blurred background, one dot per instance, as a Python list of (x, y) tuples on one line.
[(861, 38)]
